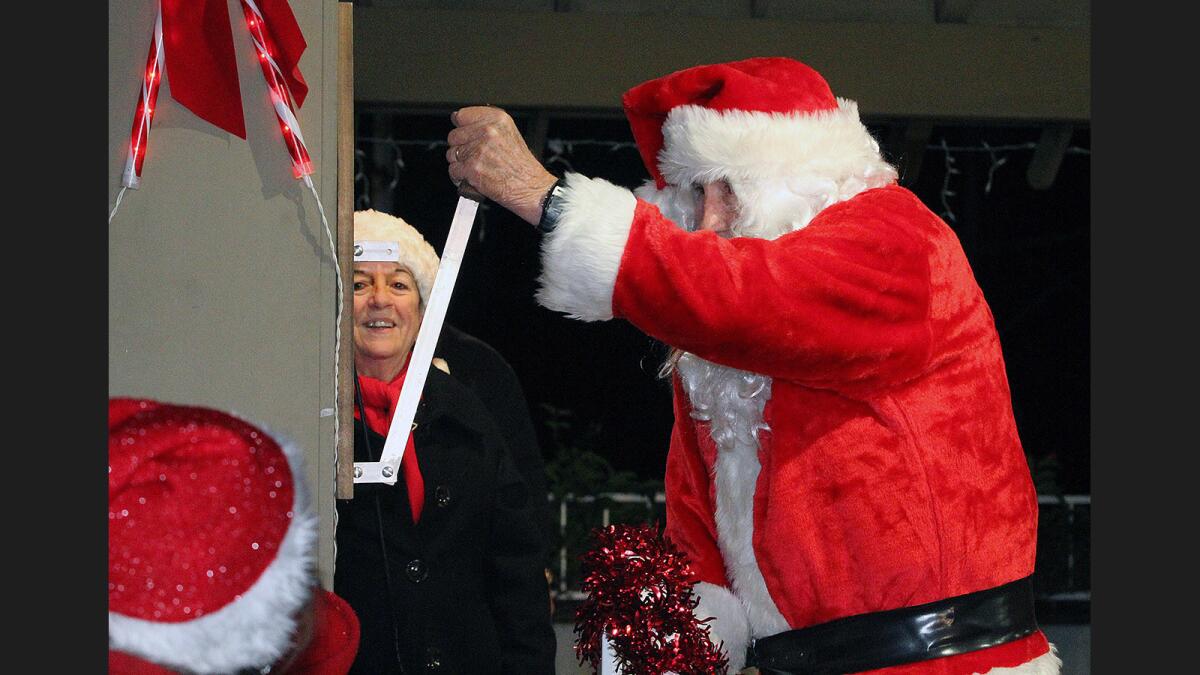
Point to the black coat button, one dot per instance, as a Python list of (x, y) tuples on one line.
[(416, 571), (442, 495)]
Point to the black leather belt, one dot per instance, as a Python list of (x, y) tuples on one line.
[(957, 625)]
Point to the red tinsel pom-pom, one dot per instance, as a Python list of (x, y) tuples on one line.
[(639, 588)]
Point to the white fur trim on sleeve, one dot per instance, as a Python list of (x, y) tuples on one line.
[(254, 630), (728, 627), (581, 256)]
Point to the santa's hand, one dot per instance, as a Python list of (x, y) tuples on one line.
[(488, 154)]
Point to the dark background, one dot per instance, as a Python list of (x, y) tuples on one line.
[(1137, 281), (1029, 249)]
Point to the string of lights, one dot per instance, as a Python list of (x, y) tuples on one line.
[(281, 95), (143, 115), (947, 212), (284, 103), (558, 151)]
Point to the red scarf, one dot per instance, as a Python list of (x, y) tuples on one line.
[(379, 399)]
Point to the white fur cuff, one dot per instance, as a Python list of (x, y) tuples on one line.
[(581, 256), (728, 628)]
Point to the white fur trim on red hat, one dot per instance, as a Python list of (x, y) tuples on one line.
[(784, 169), (254, 630), (703, 145), (581, 256)]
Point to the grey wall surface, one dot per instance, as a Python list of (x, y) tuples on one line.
[(585, 61), (221, 285)]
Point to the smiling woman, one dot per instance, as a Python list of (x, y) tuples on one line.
[(392, 277), (387, 314), (444, 568)]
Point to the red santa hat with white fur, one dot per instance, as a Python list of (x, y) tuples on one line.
[(770, 126), (211, 557)]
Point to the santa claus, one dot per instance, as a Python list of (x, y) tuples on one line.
[(844, 470)]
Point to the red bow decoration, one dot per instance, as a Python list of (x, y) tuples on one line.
[(193, 40)]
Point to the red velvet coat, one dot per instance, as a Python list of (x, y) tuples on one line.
[(888, 473)]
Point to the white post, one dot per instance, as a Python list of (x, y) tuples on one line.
[(608, 658)]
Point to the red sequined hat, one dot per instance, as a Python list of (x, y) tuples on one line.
[(211, 556)]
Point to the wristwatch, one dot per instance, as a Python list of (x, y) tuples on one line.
[(552, 206)]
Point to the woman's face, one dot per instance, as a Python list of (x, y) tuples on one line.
[(387, 315)]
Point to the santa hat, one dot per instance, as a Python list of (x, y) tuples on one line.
[(211, 557), (412, 251), (767, 117)]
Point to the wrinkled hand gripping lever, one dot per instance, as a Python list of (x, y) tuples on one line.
[(387, 469), (465, 189)]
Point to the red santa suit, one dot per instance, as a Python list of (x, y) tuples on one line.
[(844, 441)]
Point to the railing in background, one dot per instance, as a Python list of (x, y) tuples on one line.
[(1062, 580), (578, 515), (1063, 550)]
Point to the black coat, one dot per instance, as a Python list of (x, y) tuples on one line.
[(485, 372), (467, 585)]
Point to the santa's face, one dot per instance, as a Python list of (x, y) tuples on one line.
[(718, 208), (763, 208)]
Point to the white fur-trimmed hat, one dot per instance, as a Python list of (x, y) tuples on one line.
[(414, 252), (769, 126), (760, 118)]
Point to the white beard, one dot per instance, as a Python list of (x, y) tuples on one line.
[(732, 401), (768, 208)]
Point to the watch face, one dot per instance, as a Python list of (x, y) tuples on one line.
[(555, 202)]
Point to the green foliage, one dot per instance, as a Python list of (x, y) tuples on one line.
[(579, 473)]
